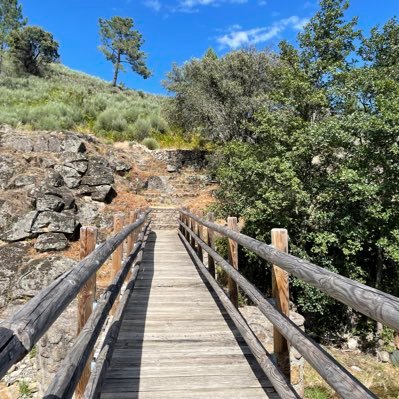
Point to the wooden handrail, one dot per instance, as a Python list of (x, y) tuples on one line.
[(20, 332), (373, 303), (66, 379), (342, 381)]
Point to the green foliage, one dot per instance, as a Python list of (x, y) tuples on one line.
[(316, 393), (318, 155), (65, 99), (151, 143), (141, 129), (32, 48), (218, 96), (121, 44), (24, 389)]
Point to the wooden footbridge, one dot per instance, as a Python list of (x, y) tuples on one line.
[(172, 331)]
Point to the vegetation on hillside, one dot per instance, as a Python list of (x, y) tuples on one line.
[(312, 147)]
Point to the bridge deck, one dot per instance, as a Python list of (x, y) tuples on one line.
[(176, 340)]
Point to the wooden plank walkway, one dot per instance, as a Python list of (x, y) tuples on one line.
[(176, 340)]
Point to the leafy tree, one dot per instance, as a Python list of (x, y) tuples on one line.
[(33, 48), (10, 19), (121, 45), (219, 96)]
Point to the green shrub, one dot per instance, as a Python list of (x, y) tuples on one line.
[(142, 129), (131, 114), (150, 143), (111, 120), (158, 123)]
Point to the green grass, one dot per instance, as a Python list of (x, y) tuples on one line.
[(67, 99), (24, 390)]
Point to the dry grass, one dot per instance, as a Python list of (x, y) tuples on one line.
[(203, 201), (380, 378)]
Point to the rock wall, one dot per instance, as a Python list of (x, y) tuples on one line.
[(177, 159)]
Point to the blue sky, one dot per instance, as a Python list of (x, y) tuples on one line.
[(177, 30)]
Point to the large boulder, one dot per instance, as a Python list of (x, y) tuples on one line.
[(7, 170), (99, 173), (51, 242), (22, 181), (19, 227), (48, 192), (71, 176), (104, 193), (55, 222), (49, 203)]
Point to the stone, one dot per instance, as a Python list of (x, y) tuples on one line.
[(383, 356), (394, 357), (172, 168), (22, 181), (49, 203), (77, 161), (98, 173), (55, 179), (119, 166), (6, 171), (71, 177), (137, 184), (11, 257), (54, 222), (51, 242), (63, 193), (355, 368), (156, 183), (20, 228), (103, 194), (73, 143), (18, 142), (352, 343)]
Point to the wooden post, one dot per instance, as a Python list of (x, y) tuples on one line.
[(192, 227), (86, 298), (131, 239), (119, 221), (211, 242), (280, 287), (233, 260), (199, 232)]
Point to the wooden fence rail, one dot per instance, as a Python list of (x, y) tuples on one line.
[(343, 382), (20, 332)]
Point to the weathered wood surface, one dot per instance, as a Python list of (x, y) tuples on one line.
[(64, 383), (175, 341), (86, 298), (233, 260), (343, 382), (20, 333), (371, 302), (280, 288), (257, 349)]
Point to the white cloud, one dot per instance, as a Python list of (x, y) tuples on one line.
[(191, 5), (239, 38), (154, 4)]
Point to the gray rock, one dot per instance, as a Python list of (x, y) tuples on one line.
[(22, 181), (18, 142), (51, 242), (138, 184), (352, 343), (98, 173), (172, 168), (383, 356), (55, 179), (54, 222), (70, 176), (77, 161), (156, 183), (120, 167), (49, 203), (73, 143), (63, 193), (11, 257), (54, 143), (20, 228), (6, 171), (103, 193)]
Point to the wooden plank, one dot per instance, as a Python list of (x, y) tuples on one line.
[(86, 298), (280, 292), (233, 260)]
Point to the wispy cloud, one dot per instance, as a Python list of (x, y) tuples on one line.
[(154, 4), (192, 5), (238, 38)]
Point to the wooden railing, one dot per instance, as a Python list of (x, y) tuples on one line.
[(20, 333), (371, 302)]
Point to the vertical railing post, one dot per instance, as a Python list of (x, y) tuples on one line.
[(211, 242), (86, 298), (199, 233), (192, 227), (233, 260), (280, 287), (119, 221), (131, 239)]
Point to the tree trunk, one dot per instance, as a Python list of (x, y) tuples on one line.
[(118, 62), (2, 48)]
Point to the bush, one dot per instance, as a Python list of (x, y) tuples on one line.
[(158, 123), (141, 129), (111, 120), (150, 143)]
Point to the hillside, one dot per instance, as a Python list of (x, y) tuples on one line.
[(67, 99)]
